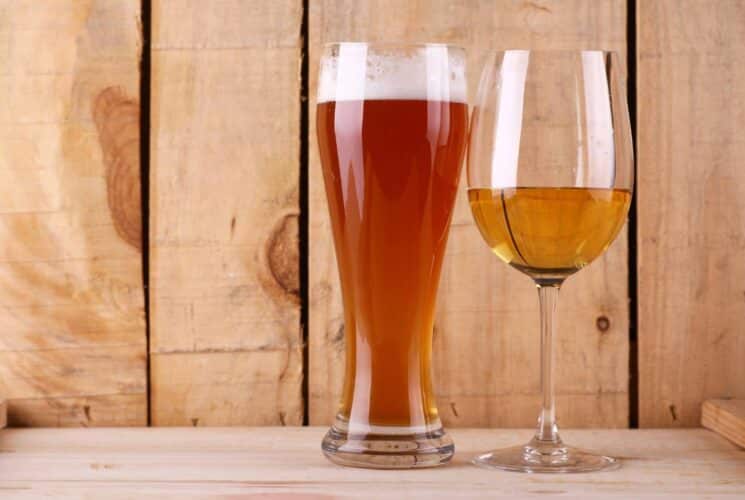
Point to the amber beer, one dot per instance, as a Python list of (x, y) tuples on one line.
[(391, 163)]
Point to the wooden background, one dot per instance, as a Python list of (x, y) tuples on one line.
[(165, 247)]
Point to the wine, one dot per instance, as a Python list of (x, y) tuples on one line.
[(549, 232)]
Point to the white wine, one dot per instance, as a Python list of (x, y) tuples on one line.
[(549, 232)]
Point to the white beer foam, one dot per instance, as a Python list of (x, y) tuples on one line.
[(357, 72)]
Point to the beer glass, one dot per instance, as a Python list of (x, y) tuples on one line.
[(392, 127), (550, 173)]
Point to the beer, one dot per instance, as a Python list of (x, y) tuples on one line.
[(554, 231), (391, 186), (392, 126)]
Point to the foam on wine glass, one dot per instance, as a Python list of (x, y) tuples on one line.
[(356, 72)]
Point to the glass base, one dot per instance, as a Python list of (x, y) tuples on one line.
[(388, 447), (542, 456)]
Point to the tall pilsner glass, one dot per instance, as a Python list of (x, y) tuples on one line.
[(550, 172), (392, 127)]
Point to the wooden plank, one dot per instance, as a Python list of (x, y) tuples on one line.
[(116, 410), (279, 462), (486, 334), (726, 417), (225, 388), (224, 213), (71, 300), (691, 112), (74, 372)]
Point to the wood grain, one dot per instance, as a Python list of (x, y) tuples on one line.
[(71, 297), (486, 332), (691, 205), (281, 463), (117, 410), (226, 340), (725, 417)]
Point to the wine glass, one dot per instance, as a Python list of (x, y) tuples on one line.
[(550, 176)]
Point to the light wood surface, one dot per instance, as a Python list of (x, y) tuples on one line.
[(72, 348), (226, 342), (486, 334), (287, 463), (691, 205), (726, 417)]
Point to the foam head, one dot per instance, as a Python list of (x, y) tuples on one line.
[(358, 71)]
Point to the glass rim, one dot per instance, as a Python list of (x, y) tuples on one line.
[(392, 45), (555, 51)]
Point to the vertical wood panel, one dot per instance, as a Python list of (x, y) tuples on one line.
[(486, 332), (72, 330), (691, 205), (226, 342)]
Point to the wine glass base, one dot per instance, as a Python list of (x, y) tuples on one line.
[(396, 449), (545, 458)]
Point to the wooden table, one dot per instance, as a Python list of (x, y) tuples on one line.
[(276, 463)]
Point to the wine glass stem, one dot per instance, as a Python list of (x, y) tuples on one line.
[(548, 295)]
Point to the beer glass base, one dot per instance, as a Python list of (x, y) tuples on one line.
[(545, 458), (388, 448)]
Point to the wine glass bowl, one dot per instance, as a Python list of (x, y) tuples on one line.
[(550, 177)]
